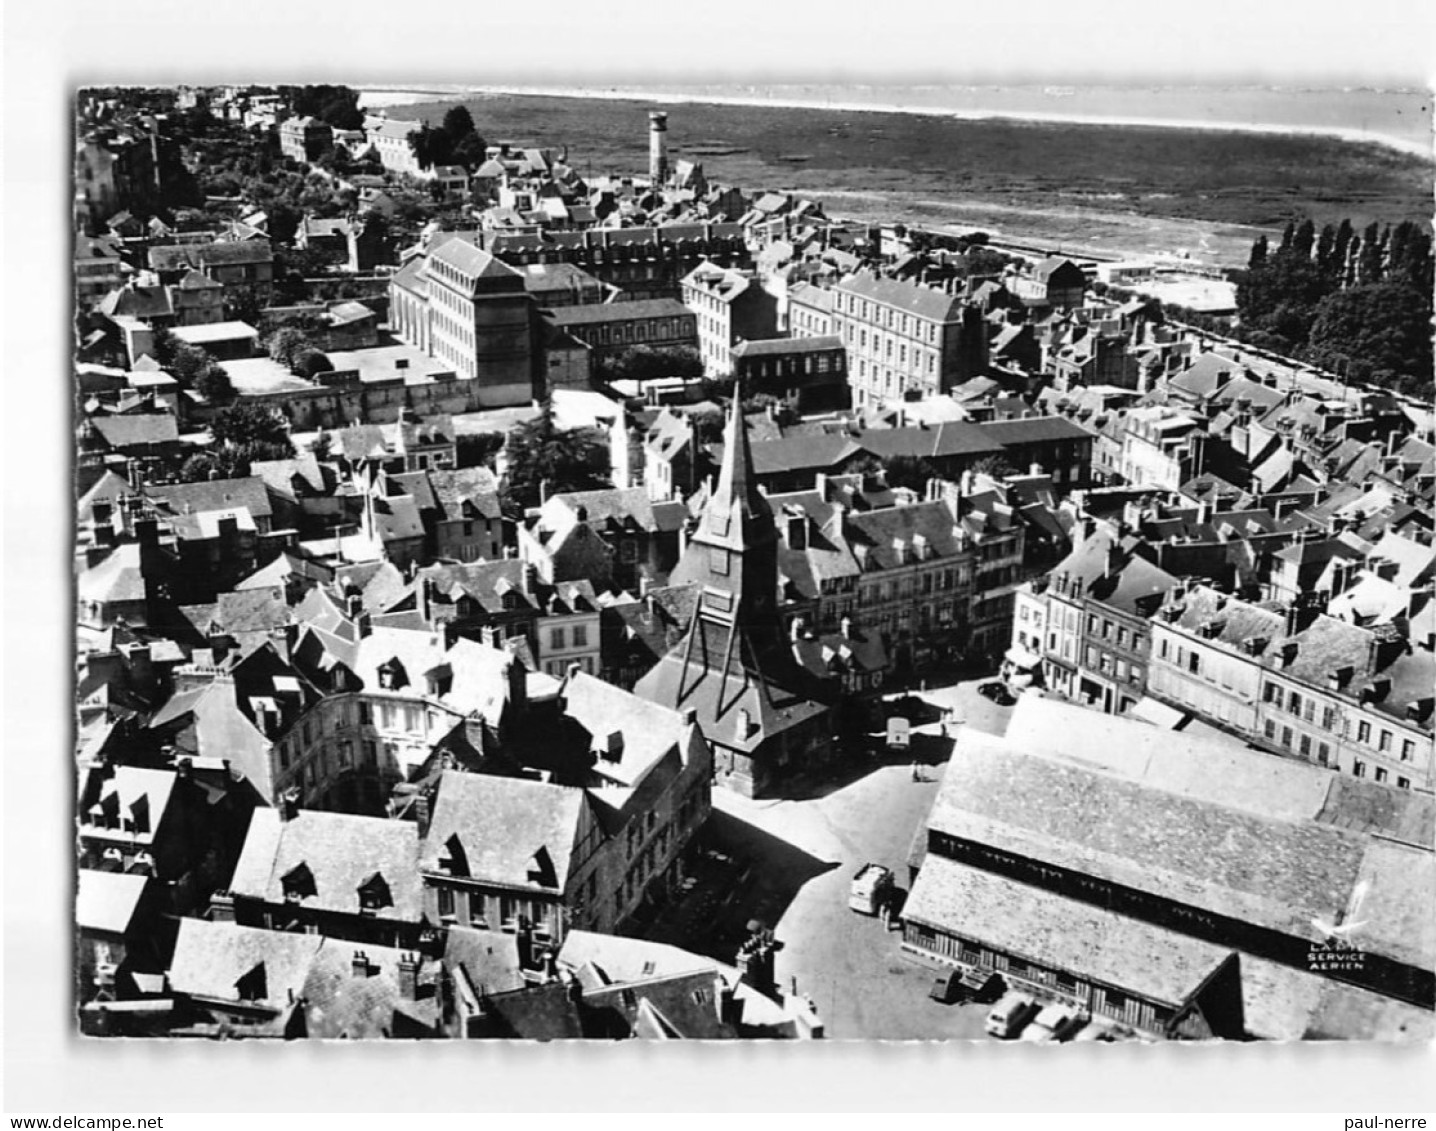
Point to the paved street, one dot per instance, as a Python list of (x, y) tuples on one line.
[(845, 961)]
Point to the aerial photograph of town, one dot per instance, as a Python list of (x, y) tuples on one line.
[(780, 561)]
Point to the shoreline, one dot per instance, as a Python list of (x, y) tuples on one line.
[(416, 95)]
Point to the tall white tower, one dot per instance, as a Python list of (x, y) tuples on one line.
[(657, 147)]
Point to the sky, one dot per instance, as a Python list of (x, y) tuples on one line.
[(49, 48)]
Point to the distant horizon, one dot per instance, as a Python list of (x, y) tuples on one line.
[(1400, 119)]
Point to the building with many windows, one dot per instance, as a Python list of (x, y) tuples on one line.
[(903, 338), (1296, 682), (460, 305), (731, 307)]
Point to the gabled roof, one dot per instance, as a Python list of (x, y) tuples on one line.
[(339, 853), (212, 495), (107, 901), (137, 430), (648, 731), (501, 825), (925, 302)]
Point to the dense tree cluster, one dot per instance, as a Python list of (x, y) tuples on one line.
[(239, 434), (543, 460), (1355, 303), (651, 363), (336, 105), (192, 367), (455, 141)]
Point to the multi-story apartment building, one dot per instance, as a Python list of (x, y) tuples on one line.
[(1299, 683), (1095, 608), (731, 306), (512, 854), (810, 311), (642, 262), (391, 138), (459, 304), (304, 139), (1161, 447), (904, 572), (903, 337)]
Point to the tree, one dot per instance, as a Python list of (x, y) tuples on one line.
[(649, 363), (312, 362), (543, 460), (458, 122), (214, 385), (286, 344), (996, 467), (1376, 331), (477, 449), (243, 424), (912, 472), (1259, 253)]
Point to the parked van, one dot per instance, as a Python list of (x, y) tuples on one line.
[(872, 886), (1009, 1015)]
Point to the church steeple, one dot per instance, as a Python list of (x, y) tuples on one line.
[(733, 557), (737, 512)]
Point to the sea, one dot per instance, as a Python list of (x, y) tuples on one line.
[(1399, 118)]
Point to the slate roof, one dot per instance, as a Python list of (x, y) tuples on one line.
[(466, 492), (925, 302), (211, 958), (116, 579), (253, 610), (1099, 945), (782, 347), (133, 301), (502, 824), (472, 260), (136, 431), (212, 495), (949, 438), (338, 1003), (616, 506), (1034, 430), (596, 313), (107, 901), (649, 732), (1246, 846), (341, 853)]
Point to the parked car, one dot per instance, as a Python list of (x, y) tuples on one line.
[(997, 691), (1094, 1031), (1052, 1023), (1008, 1016), (962, 984), (872, 886)]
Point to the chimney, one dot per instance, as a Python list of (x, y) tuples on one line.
[(730, 1009), (364, 623), (744, 724), (287, 804), (359, 965), (409, 976), (221, 907), (846, 627), (1113, 563)]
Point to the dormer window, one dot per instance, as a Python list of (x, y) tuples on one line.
[(454, 861), (541, 869), (254, 985), (298, 883), (374, 893)]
